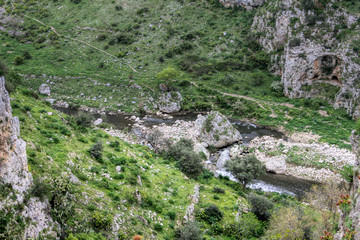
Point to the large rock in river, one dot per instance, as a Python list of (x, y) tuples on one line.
[(216, 130), (170, 102)]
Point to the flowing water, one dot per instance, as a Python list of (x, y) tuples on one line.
[(268, 183)]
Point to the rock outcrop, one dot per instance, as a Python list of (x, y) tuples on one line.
[(352, 219), (15, 176), (169, 102), (44, 89), (248, 4), (312, 50)]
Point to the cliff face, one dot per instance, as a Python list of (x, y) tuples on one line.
[(314, 48), (248, 4), (16, 178), (350, 220)]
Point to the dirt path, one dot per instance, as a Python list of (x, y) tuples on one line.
[(77, 40)]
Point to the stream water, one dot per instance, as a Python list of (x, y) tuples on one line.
[(268, 183)]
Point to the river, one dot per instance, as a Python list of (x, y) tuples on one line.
[(269, 182)]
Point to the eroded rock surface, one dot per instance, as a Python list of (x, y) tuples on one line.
[(313, 58), (248, 4), (14, 174)]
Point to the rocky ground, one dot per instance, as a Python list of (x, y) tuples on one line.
[(300, 155)]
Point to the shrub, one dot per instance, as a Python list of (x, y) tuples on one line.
[(18, 60), (218, 190), (248, 227), (3, 68), (96, 150), (211, 214), (27, 55), (257, 78), (188, 161), (277, 88), (286, 223), (172, 215), (294, 42), (246, 168), (40, 189), (190, 231), (347, 172), (158, 227), (228, 80), (13, 80), (124, 38), (101, 37), (260, 206), (101, 220), (75, 1), (83, 120), (167, 75)]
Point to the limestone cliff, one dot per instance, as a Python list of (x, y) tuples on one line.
[(350, 220), (313, 46), (16, 180)]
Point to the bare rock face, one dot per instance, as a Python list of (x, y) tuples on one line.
[(170, 102), (216, 130), (44, 89), (248, 4), (14, 173), (312, 57)]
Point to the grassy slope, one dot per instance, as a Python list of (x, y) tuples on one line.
[(163, 184), (158, 27)]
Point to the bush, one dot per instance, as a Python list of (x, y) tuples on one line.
[(246, 168), (101, 220), (257, 79), (40, 189), (188, 161), (172, 215), (125, 39), (347, 173), (277, 88), (75, 1), (218, 190), (211, 214), (3, 68), (83, 120), (260, 206), (190, 231), (18, 60), (96, 150), (228, 80), (27, 55), (158, 227), (294, 42), (248, 227), (12, 81)]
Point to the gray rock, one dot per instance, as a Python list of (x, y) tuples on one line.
[(44, 89), (248, 4), (170, 102), (215, 130), (98, 121)]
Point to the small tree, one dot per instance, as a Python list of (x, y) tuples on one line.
[(96, 150), (167, 75), (260, 206), (190, 231), (246, 168)]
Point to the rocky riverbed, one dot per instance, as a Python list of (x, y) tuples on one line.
[(300, 155)]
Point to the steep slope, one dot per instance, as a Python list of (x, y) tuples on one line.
[(315, 48), (22, 216)]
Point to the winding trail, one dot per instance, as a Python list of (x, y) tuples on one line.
[(77, 40)]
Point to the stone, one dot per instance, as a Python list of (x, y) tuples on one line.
[(248, 4), (15, 172), (215, 130), (98, 121), (170, 102), (163, 87), (118, 169), (44, 89)]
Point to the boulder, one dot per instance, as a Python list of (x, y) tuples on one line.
[(216, 130), (98, 121), (44, 89), (170, 102)]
